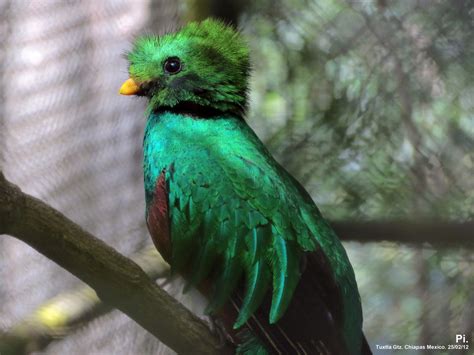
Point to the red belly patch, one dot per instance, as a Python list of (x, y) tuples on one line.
[(158, 218)]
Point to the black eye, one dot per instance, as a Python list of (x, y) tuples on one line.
[(172, 65)]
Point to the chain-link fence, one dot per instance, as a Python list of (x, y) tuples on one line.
[(71, 140), (371, 104), (368, 103)]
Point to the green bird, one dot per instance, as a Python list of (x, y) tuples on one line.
[(225, 214)]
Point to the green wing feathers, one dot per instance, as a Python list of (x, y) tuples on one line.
[(286, 274), (236, 215), (237, 229)]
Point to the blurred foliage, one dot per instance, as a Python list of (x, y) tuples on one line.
[(371, 105), (375, 101)]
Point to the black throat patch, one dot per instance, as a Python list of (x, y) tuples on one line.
[(194, 110)]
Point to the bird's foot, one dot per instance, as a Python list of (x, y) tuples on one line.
[(218, 328)]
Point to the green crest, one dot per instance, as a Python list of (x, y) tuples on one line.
[(212, 61)]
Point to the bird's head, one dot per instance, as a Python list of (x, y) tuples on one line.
[(202, 66)]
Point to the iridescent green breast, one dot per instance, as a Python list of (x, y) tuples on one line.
[(232, 208)]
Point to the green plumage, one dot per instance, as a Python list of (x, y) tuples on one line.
[(244, 211), (234, 212), (219, 66)]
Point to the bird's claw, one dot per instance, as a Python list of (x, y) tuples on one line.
[(218, 328)]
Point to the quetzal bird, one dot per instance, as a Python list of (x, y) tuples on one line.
[(225, 214)]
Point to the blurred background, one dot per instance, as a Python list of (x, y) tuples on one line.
[(370, 104)]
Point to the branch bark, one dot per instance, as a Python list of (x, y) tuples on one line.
[(122, 284), (68, 311), (439, 233), (117, 280)]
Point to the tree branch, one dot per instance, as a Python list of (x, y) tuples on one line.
[(440, 233), (118, 281), (66, 312), (122, 284)]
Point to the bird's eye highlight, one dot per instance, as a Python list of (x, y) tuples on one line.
[(172, 65)]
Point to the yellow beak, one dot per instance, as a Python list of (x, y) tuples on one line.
[(129, 87)]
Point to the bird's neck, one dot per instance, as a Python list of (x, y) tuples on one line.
[(196, 110), (182, 138)]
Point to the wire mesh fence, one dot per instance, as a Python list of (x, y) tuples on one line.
[(368, 103), (371, 107), (70, 139)]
